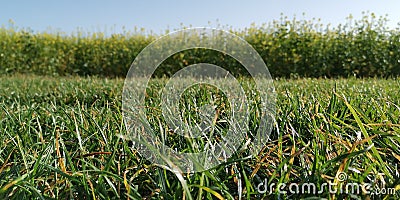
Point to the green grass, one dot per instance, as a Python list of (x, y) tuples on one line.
[(59, 139)]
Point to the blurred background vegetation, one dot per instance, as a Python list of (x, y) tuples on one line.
[(363, 47)]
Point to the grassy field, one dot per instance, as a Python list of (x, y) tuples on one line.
[(60, 139)]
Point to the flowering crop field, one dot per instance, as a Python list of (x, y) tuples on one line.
[(363, 47)]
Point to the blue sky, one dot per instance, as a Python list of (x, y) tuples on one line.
[(157, 16)]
